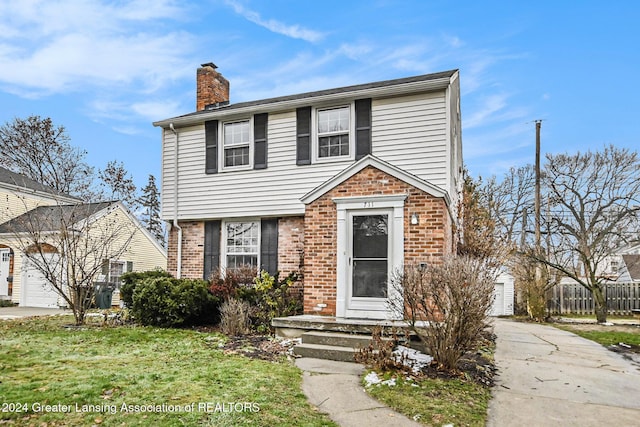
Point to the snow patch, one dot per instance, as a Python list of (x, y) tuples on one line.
[(411, 358)]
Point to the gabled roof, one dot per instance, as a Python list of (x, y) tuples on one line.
[(52, 218), (425, 82), (371, 160), (632, 262), (19, 181)]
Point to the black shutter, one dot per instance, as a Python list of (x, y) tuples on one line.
[(269, 245), (105, 267), (211, 144), (363, 128), (303, 136), (211, 247), (260, 141)]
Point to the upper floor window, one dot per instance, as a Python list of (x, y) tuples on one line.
[(333, 132), (237, 141)]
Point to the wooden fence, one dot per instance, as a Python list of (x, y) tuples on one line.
[(575, 299)]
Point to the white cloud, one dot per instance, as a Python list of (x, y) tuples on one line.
[(294, 31), (93, 48)]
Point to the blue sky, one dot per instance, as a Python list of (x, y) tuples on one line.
[(106, 69)]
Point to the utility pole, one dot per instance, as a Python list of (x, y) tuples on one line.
[(537, 195)]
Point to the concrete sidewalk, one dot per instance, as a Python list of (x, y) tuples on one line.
[(549, 377), (8, 313), (335, 389)]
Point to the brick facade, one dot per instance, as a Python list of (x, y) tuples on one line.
[(290, 247), (192, 249), (432, 237)]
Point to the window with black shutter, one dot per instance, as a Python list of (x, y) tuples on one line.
[(211, 248), (211, 146), (260, 141), (303, 136), (363, 128), (269, 245)]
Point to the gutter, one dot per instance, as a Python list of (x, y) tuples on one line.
[(175, 202)]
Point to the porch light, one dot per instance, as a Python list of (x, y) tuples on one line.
[(415, 220)]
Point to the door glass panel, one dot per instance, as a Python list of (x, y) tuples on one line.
[(370, 252)]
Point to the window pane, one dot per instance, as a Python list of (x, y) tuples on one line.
[(236, 156), (330, 146), (370, 236), (370, 279), (236, 133), (334, 120), (236, 261), (242, 244)]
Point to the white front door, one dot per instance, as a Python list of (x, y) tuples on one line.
[(370, 246), (4, 272), (369, 264)]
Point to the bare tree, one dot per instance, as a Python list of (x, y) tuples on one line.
[(117, 184), (479, 235), (68, 245), (38, 149), (593, 209)]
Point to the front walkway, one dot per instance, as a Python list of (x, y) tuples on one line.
[(334, 388), (550, 377)]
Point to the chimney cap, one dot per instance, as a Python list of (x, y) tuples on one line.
[(210, 64)]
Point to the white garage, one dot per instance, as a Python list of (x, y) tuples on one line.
[(503, 294), (36, 290)]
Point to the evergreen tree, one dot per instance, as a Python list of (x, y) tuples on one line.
[(150, 202)]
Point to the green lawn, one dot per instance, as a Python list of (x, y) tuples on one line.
[(56, 376), (436, 402), (605, 335)]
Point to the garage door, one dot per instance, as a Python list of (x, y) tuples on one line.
[(497, 309), (38, 292)]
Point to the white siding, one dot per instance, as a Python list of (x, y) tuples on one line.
[(408, 132)]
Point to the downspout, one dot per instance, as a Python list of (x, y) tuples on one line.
[(175, 202)]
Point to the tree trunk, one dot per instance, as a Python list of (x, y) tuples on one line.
[(600, 304)]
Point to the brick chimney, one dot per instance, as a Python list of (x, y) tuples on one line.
[(212, 88)]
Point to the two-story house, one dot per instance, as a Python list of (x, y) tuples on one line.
[(343, 185)]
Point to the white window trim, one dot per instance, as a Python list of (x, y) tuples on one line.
[(315, 158), (221, 141), (124, 270), (223, 243)]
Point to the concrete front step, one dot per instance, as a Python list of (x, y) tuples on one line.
[(326, 352), (337, 339), (332, 345)]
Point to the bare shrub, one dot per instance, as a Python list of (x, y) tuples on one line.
[(446, 304), (235, 317), (378, 355)]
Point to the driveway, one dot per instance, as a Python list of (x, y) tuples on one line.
[(550, 377), (8, 313)]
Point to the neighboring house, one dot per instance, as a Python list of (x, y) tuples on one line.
[(19, 194), (624, 265), (46, 214), (342, 185)]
